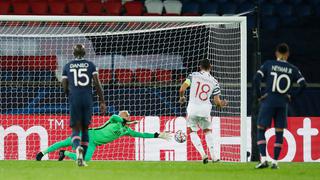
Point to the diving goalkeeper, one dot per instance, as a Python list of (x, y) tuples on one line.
[(114, 128)]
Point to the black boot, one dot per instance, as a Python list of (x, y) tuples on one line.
[(61, 155), (39, 156)]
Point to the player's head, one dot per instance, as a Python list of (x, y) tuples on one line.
[(78, 51), (205, 65), (282, 51), (125, 115)]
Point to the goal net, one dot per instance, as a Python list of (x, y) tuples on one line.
[(142, 62)]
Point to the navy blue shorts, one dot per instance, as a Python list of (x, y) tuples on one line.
[(279, 114), (80, 110)]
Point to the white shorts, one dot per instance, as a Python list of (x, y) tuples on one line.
[(202, 110), (196, 122)]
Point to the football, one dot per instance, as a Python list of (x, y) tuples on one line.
[(180, 136)]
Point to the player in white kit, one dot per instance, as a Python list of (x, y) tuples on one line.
[(204, 88)]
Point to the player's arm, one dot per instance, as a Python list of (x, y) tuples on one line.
[(183, 89), (65, 86), (65, 81), (257, 85), (301, 88), (219, 102), (162, 135), (302, 85), (257, 81), (99, 90), (113, 119), (216, 97)]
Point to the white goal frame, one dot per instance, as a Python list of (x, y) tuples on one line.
[(196, 19)]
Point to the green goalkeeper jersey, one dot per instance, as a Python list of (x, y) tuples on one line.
[(113, 129)]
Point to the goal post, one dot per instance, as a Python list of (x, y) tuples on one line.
[(243, 109), (142, 62)]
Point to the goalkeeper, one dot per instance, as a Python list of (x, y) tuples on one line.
[(114, 128)]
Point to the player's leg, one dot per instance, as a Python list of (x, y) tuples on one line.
[(53, 147), (206, 125), (89, 154), (277, 147), (90, 151), (71, 155), (280, 124), (195, 139), (75, 137), (84, 139), (264, 121), (262, 143), (76, 144), (75, 122), (210, 143), (87, 115), (76, 125)]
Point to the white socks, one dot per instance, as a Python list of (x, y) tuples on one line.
[(264, 159), (209, 140), (275, 162), (195, 139)]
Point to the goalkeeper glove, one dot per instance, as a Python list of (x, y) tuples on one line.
[(163, 135)]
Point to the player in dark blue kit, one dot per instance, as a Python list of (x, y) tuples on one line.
[(78, 76), (279, 75)]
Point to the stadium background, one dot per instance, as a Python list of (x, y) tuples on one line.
[(281, 21)]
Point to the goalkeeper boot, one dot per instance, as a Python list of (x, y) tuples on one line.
[(205, 159), (79, 153), (262, 165), (39, 156), (61, 155)]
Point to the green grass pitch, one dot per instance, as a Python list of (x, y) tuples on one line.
[(118, 170)]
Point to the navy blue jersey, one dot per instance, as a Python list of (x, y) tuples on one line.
[(79, 74), (279, 77)]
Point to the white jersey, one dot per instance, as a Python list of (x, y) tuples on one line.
[(202, 87)]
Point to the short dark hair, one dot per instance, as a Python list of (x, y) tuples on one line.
[(79, 51), (205, 64), (282, 48)]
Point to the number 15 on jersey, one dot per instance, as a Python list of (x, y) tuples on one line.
[(80, 73)]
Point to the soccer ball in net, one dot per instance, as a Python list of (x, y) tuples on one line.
[(180, 136)]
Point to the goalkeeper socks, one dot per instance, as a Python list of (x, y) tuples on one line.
[(209, 140), (195, 139), (262, 143), (70, 155), (278, 144), (75, 139), (45, 152)]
